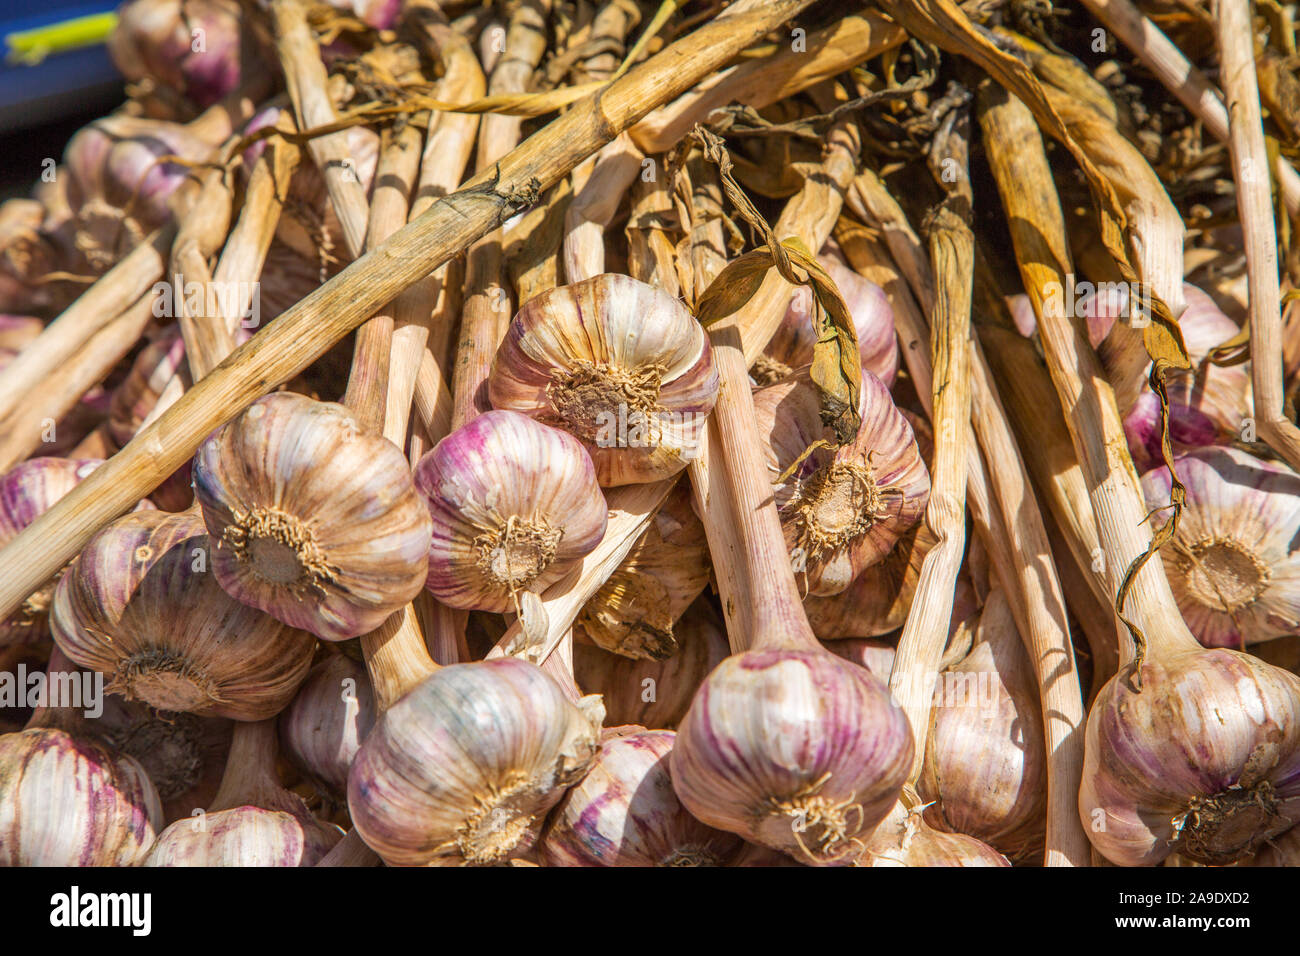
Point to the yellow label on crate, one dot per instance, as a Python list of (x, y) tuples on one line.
[(30, 47)]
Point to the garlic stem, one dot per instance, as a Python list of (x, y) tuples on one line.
[(350, 851), (249, 778), (1236, 38)]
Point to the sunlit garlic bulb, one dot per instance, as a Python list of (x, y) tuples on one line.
[(27, 491), (878, 600), (1208, 404), (158, 41), (654, 694), (322, 729), (66, 800), (984, 771), (136, 396), (1203, 760), (634, 612), (1234, 562), (791, 347), (515, 505), (624, 813), (253, 820), (142, 606), (183, 755), (618, 363), (905, 839), (811, 746), (464, 768), (314, 520), (844, 508)]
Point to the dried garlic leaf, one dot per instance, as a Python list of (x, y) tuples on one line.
[(734, 286)]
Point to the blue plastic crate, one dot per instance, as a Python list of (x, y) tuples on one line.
[(55, 60)]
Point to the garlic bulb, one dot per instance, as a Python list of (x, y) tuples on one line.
[(819, 732), (27, 491), (322, 729), (190, 47), (653, 693), (182, 754), (27, 254), (984, 771), (905, 839), (618, 363), (464, 768), (313, 520), (1281, 850), (16, 331), (624, 813), (1203, 761), (1235, 557), (66, 800), (118, 188), (873, 319), (844, 508), (141, 606), (515, 505), (634, 611), (136, 396), (879, 598), (1208, 404), (253, 821)]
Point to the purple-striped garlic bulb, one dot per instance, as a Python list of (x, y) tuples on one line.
[(515, 505), (1197, 754), (118, 187), (189, 47), (624, 812), (1236, 554), (183, 754), (985, 771), (27, 491), (322, 730), (314, 520), (618, 363), (1208, 404), (142, 606), (791, 347), (634, 612), (67, 800), (654, 693), (253, 820), (843, 509), (464, 767), (138, 393), (795, 749)]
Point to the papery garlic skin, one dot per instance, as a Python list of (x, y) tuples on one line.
[(844, 508), (244, 836), (514, 504), (464, 768), (27, 491), (634, 612), (322, 730), (984, 771), (875, 655), (68, 801), (873, 320), (653, 694), (157, 40), (1234, 561), (142, 606), (624, 813), (136, 396), (618, 363), (1203, 761), (314, 520), (878, 600), (904, 839), (797, 750)]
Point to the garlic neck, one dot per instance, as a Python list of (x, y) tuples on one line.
[(249, 778), (396, 657)]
